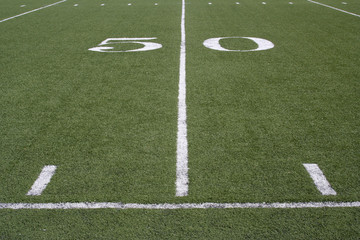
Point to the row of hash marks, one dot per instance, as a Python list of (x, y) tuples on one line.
[(156, 4), (314, 171)]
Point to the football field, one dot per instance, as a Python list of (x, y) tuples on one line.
[(179, 119)]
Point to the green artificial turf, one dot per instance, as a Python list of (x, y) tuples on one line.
[(256, 117), (181, 224), (108, 121)]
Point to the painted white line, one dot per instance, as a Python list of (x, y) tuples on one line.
[(23, 6), (75, 5), (182, 179), (291, 3), (42, 181), (319, 179), (264, 3), (129, 4), (6, 19), (210, 3), (109, 205), (237, 3), (356, 15)]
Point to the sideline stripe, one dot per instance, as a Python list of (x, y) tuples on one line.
[(108, 205), (356, 15), (42, 181), (319, 179), (182, 179), (31, 11)]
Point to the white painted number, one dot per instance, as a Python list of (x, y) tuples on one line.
[(147, 46), (214, 43)]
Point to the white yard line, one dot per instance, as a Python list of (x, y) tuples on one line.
[(182, 179), (356, 15), (42, 181), (32, 11), (319, 179), (109, 205)]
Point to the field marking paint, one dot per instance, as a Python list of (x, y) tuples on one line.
[(147, 46), (319, 179), (6, 19), (42, 181), (356, 15), (214, 44), (75, 5), (182, 178), (110, 205)]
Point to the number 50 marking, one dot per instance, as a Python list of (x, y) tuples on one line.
[(212, 43), (111, 41)]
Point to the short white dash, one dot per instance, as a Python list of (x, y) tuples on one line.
[(264, 3), (156, 4), (23, 6), (237, 3), (129, 4), (344, 3), (210, 3), (102, 4), (319, 179), (42, 181), (291, 3), (75, 5)]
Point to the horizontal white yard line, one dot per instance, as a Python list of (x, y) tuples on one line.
[(356, 15), (109, 205), (31, 11)]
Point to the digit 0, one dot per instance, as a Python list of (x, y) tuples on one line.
[(214, 44)]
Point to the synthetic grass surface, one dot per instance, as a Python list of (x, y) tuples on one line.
[(101, 117), (108, 120), (180, 224), (255, 117)]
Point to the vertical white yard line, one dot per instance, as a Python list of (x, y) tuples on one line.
[(42, 181), (32, 11), (182, 179), (356, 15), (319, 179)]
